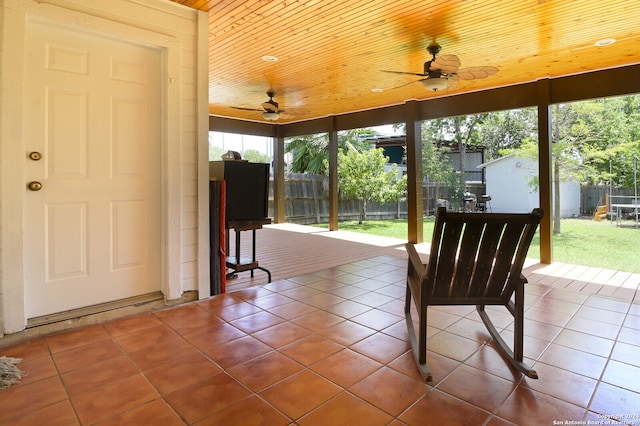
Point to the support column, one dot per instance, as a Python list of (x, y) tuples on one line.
[(414, 173), (333, 176), (279, 214), (545, 139)]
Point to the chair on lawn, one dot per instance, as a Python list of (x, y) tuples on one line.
[(475, 259)]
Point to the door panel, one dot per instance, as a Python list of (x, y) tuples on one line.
[(93, 230), (66, 241)]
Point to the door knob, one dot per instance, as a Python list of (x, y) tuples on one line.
[(34, 185), (35, 155)]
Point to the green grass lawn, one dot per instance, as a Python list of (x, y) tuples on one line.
[(582, 241)]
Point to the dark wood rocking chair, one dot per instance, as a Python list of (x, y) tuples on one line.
[(475, 259)]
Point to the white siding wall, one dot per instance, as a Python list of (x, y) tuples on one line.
[(177, 30), (508, 184), (570, 199)]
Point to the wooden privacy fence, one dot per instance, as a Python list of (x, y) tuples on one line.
[(592, 196), (307, 202)]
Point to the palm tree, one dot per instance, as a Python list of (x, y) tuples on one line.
[(311, 152)]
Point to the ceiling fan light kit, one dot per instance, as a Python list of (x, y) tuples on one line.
[(271, 116), (435, 84)]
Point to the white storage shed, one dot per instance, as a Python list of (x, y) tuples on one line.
[(508, 182)]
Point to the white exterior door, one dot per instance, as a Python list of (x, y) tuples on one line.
[(92, 232)]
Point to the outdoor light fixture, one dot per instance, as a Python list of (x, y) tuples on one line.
[(271, 116), (435, 84)]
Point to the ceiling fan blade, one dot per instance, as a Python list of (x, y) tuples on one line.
[(247, 109), (404, 73), (407, 84), (448, 64), (473, 73)]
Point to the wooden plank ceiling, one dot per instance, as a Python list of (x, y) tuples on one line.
[(331, 52)]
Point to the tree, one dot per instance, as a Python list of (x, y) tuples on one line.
[(311, 152), (362, 177), (255, 156), (462, 131), (565, 156), (215, 153), (608, 132), (436, 166), (621, 163), (506, 130)]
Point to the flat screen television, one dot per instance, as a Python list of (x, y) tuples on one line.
[(247, 188)]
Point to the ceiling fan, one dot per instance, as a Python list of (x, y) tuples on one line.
[(443, 72), (270, 110)]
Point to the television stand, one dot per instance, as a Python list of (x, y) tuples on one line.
[(238, 263)]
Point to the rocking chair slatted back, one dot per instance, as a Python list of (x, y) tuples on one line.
[(476, 256)]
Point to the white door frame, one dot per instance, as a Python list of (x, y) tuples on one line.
[(13, 154)]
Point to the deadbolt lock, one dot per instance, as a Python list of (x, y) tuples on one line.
[(35, 155), (34, 185)]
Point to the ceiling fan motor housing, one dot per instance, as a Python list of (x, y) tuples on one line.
[(434, 49)]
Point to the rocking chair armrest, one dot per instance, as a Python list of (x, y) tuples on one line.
[(415, 261)]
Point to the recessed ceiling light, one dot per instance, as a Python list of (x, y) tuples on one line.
[(269, 58), (376, 90), (605, 42)]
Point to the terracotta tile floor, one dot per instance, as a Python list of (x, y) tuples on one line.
[(330, 348)]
